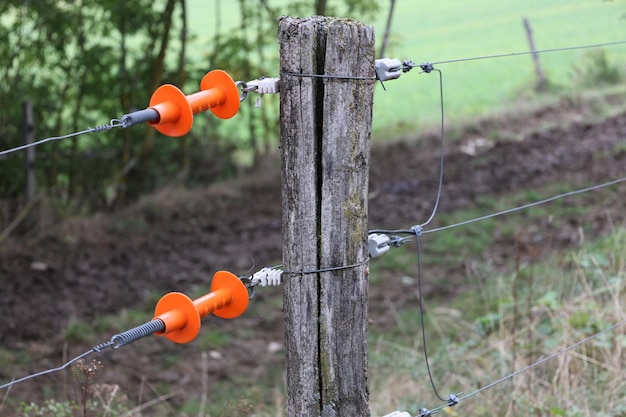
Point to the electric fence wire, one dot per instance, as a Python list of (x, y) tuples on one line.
[(48, 371), (527, 206), (418, 229), (327, 76), (540, 51), (116, 342), (329, 269), (428, 69), (442, 156), (113, 123), (421, 308), (541, 361)]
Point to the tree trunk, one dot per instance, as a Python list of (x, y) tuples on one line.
[(325, 141)]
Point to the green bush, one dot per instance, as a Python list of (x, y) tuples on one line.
[(595, 69)]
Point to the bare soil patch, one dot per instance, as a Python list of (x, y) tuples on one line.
[(175, 240)]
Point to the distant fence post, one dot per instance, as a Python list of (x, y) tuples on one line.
[(29, 163), (542, 83), (29, 153), (325, 145), (387, 33)]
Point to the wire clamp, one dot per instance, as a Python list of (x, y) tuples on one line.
[(417, 229), (397, 241), (427, 67), (408, 65), (453, 400), (425, 412)]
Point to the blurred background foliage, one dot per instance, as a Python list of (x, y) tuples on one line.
[(82, 63)]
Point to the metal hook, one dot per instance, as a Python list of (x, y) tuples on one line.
[(116, 123), (249, 285), (244, 90)]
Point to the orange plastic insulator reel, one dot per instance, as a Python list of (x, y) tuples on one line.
[(181, 315), (218, 93)]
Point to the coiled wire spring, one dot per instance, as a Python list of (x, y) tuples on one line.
[(132, 335)]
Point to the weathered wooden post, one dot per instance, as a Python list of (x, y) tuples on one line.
[(325, 145), (383, 47), (29, 159), (29, 163), (542, 82)]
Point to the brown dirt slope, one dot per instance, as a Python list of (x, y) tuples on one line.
[(175, 240)]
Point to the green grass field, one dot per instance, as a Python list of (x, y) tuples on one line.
[(451, 29)]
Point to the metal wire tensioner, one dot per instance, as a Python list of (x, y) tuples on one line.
[(176, 317)]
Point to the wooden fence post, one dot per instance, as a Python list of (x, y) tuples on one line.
[(29, 165), (29, 153), (325, 145), (542, 82)]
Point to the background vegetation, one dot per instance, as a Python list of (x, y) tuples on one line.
[(82, 63)]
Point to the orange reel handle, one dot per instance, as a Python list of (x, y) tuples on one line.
[(218, 93), (181, 315)]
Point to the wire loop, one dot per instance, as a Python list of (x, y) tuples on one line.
[(427, 67), (244, 90)]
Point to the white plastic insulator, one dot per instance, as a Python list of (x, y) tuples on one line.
[(268, 276), (398, 414), (388, 68), (269, 86), (265, 85), (378, 244)]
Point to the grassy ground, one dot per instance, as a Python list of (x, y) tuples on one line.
[(506, 317), (439, 31), (516, 319)]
